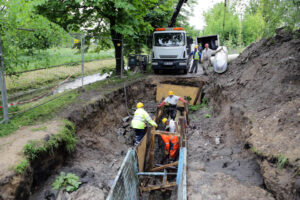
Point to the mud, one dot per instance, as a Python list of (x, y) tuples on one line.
[(104, 137), (255, 110), (218, 165), (233, 144)]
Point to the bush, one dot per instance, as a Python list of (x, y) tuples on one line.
[(69, 182), (20, 168)]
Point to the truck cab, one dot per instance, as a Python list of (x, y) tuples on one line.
[(170, 50)]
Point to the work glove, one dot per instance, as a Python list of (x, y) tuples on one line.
[(166, 152)]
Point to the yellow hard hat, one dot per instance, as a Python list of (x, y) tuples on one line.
[(139, 105), (196, 46), (164, 120), (170, 93)]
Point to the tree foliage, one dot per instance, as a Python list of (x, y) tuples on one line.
[(130, 21), (260, 19), (22, 31)]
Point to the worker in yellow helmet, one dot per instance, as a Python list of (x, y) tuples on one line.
[(172, 100), (171, 141), (138, 122)]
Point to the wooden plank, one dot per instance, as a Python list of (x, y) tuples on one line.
[(186, 113), (157, 187), (179, 90), (151, 149), (199, 92), (141, 153), (182, 131), (164, 166)]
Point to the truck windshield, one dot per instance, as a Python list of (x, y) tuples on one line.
[(169, 39)]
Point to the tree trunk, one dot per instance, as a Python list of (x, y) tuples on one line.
[(118, 44)]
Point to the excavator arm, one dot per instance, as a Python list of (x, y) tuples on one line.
[(176, 12)]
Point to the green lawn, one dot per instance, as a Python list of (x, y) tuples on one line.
[(50, 109), (57, 56)]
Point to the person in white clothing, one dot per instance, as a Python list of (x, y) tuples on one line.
[(170, 125), (172, 100)]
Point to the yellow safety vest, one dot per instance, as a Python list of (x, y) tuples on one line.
[(140, 116), (196, 55)]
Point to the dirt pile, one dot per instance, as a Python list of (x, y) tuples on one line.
[(258, 99)]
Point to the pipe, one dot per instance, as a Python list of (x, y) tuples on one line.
[(154, 174)]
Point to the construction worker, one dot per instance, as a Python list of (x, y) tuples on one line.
[(196, 56), (172, 100), (138, 122), (170, 125), (206, 55), (171, 142)]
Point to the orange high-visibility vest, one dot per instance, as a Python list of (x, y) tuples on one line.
[(171, 144)]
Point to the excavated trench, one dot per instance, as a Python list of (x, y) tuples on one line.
[(104, 136)]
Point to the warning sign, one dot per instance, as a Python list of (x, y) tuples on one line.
[(76, 41)]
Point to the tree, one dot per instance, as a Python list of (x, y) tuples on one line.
[(131, 21), (22, 31), (214, 23)]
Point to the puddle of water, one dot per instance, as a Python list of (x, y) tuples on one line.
[(78, 82)]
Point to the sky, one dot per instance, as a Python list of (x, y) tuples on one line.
[(202, 5)]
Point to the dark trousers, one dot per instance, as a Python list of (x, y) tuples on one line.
[(195, 66), (139, 134), (172, 111)]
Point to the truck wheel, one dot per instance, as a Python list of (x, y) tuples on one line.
[(156, 71), (185, 71)]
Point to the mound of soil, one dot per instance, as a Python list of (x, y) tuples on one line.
[(258, 99)]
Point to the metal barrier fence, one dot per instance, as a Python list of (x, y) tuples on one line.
[(75, 40)]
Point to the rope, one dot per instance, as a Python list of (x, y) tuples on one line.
[(38, 97), (20, 113)]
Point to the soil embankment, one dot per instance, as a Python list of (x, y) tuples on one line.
[(255, 107)]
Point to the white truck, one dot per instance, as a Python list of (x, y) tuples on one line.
[(170, 50)]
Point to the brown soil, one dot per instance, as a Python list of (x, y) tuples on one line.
[(255, 104), (11, 147), (104, 137)]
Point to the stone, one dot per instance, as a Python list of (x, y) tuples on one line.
[(125, 124), (49, 195), (121, 139), (120, 131), (126, 119), (87, 192)]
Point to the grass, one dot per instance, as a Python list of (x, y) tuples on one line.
[(41, 113), (34, 149), (203, 105), (207, 115), (66, 136), (20, 168), (282, 161), (43, 128), (255, 151), (37, 79), (57, 56), (50, 109)]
